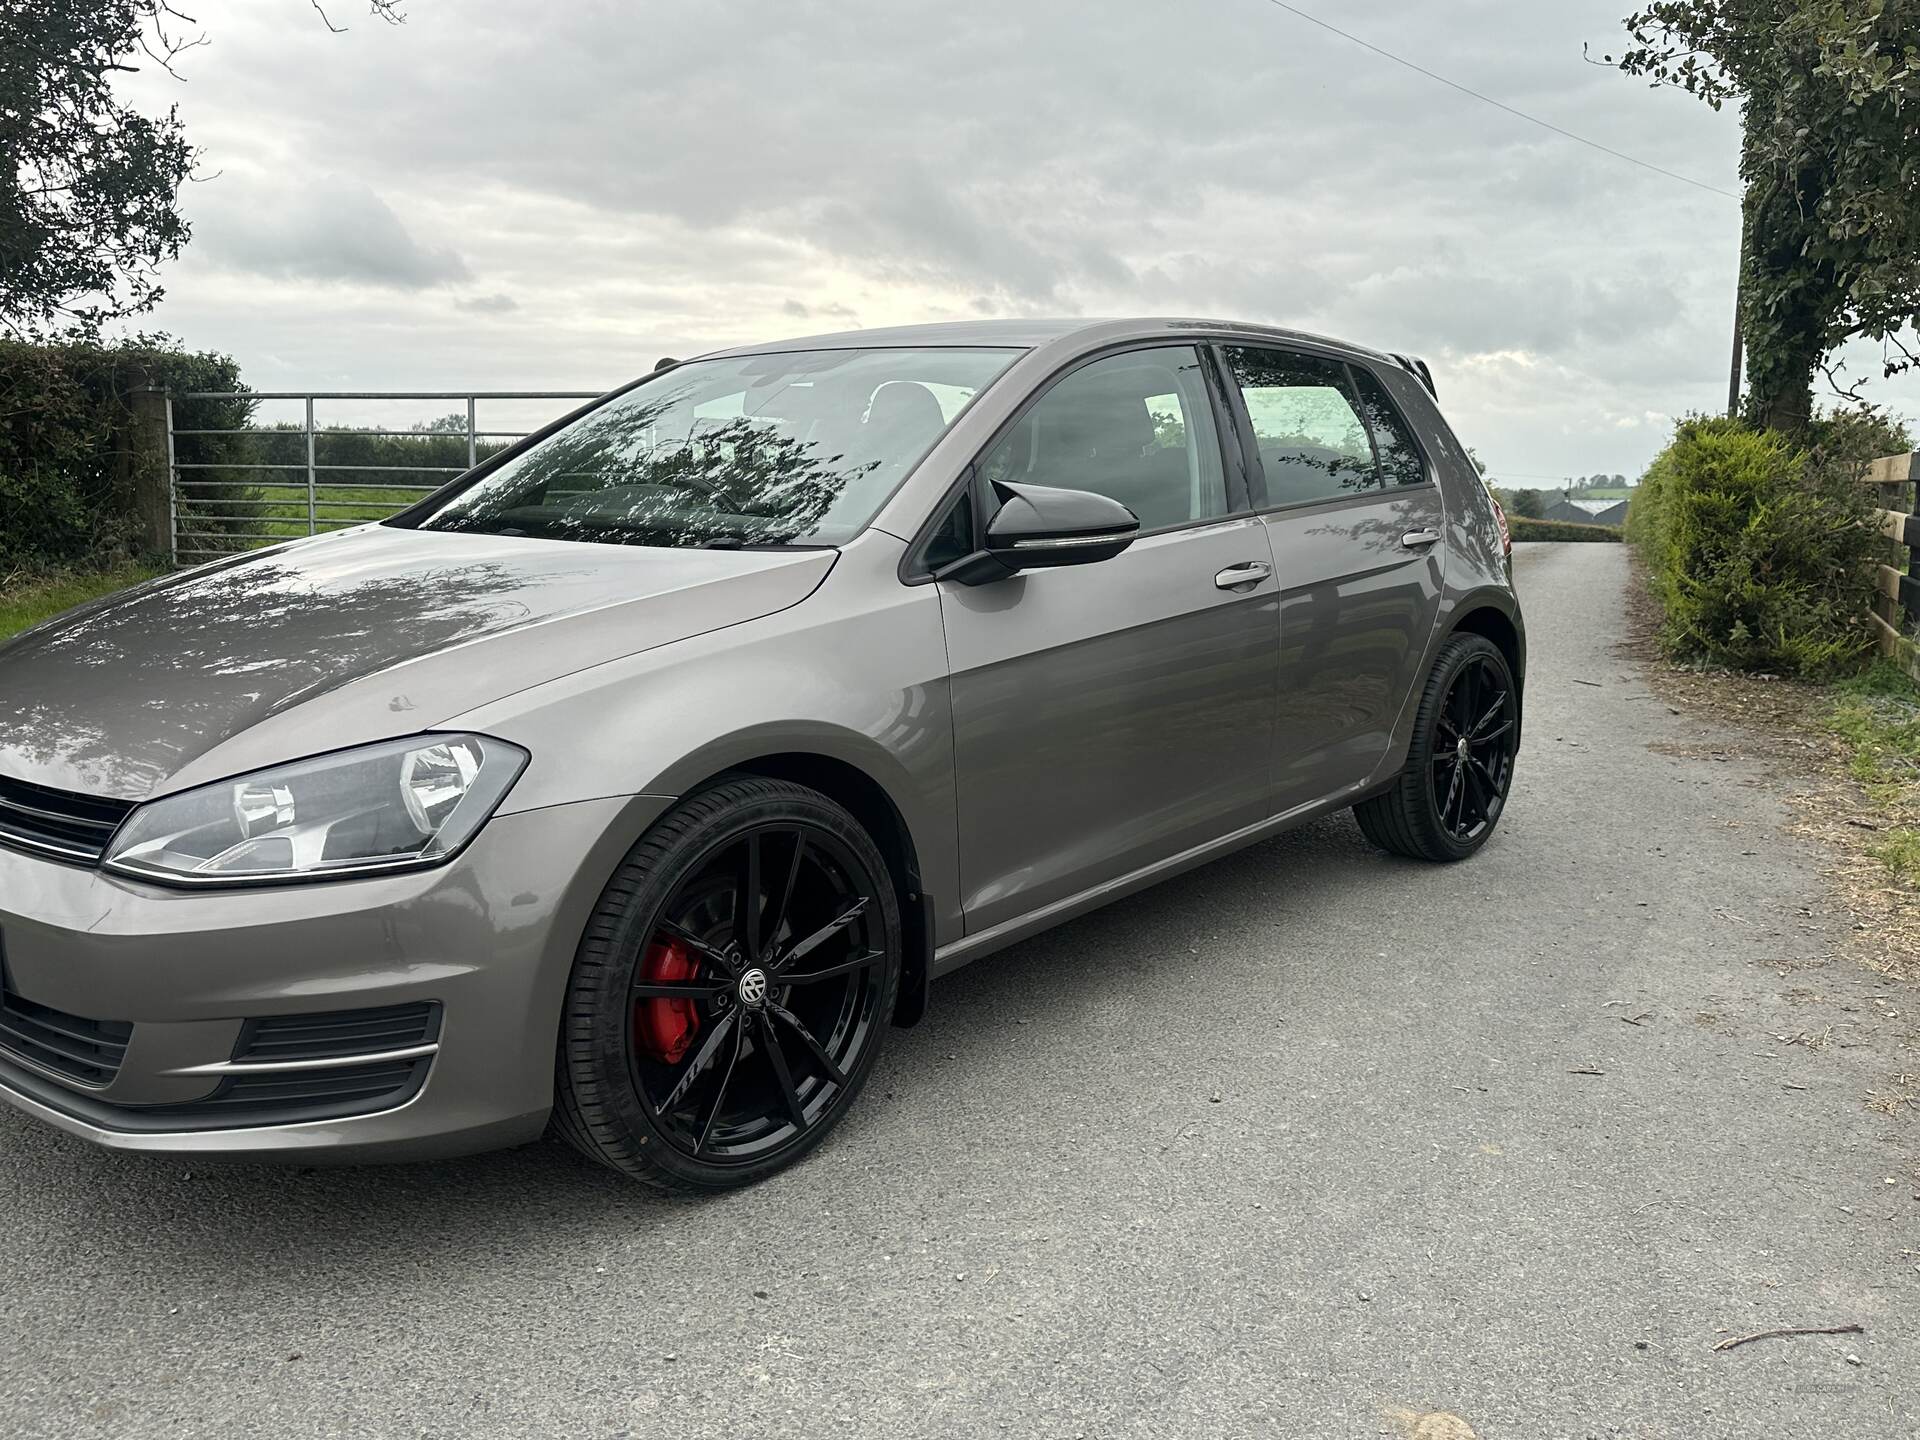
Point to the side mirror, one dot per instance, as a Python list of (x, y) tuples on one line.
[(1039, 527)]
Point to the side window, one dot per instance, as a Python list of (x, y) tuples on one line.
[(1137, 427), (1400, 460), (1313, 443)]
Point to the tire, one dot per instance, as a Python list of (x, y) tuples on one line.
[(1469, 697), (703, 1081)]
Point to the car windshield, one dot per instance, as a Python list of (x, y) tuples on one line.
[(800, 448)]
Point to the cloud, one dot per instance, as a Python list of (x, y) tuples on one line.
[(330, 229), (646, 190)]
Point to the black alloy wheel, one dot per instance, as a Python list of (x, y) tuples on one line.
[(1447, 799), (1476, 732), (733, 991)]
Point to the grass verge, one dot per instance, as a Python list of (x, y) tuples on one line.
[(1876, 714), (28, 599)]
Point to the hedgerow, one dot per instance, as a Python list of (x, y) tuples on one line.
[(1762, 553), (65, 444)]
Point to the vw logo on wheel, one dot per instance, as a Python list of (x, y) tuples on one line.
[(753, 987)]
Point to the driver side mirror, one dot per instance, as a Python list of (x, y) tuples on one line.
[(1035, 527)]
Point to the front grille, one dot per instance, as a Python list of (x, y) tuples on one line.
[(341, 1032), (89, 1051), (58, 823)]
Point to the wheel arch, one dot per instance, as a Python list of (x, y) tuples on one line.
[(853, 785), (1483, 615)]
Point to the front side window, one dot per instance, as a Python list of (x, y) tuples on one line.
[(1135, 427), (800, 448), (1313, 443)]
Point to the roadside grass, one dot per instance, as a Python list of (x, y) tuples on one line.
[(28, 599), (1847, 753), (1876, 715)]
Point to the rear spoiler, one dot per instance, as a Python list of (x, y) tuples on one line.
[(1419, 368)]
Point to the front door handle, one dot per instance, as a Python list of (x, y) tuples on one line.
[(1247, 573), (1416, 539)]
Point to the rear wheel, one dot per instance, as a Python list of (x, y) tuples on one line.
[(1459, 768), (732, 990)]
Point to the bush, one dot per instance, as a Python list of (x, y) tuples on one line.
[(65, 452), (1761, 554), (1521, 528)]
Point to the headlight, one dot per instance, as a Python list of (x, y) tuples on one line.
[(397, 805)]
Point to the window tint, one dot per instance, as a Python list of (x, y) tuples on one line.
[(1136, 427), (1313, 443), (1400, 461)]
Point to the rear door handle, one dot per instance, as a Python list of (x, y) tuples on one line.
[(1246, 573), (1415, 539)]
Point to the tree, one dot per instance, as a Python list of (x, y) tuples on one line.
[(89, 187), (87, 196), (1528, 503), (1830, 95)]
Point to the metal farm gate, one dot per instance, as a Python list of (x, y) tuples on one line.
[(234, 484)]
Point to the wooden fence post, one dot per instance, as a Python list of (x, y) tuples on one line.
[(1896, 602), (149, 470)]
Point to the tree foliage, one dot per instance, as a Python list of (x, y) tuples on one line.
[(1830, 93), (89, 186), (66, 449), (1761, 552)]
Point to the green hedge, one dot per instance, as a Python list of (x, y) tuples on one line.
[(65, 455), (1522, 528), (1761, 552)]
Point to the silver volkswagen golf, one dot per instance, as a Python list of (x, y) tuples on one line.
[(638, 781)]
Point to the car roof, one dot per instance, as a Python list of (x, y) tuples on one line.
[(1031, 334)]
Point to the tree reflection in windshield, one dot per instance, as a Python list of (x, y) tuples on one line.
[(780, 449)]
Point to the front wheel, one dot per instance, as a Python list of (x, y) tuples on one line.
[(1459, 768), (732, 990)]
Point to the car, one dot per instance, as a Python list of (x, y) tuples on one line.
[(638, 782)]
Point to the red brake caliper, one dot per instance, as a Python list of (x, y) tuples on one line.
[(664, 1027)]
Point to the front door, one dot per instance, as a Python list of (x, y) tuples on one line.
[(1355, 521), (1110, 715)]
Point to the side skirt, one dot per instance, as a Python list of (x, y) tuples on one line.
[(966, 950)]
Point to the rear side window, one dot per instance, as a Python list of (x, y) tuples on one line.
[(1400, 459), (1313, 443)]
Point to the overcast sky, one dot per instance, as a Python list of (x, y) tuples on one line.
[(504, 194)]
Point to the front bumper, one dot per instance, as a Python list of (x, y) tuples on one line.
[(182, 979)]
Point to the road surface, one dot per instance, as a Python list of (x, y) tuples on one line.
[(1301, 1145)]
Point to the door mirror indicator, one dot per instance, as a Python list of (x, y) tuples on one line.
[(1039, 527)]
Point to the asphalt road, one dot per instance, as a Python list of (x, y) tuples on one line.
[(1295, 1146)]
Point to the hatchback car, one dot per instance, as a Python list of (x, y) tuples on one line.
[(639, 780)]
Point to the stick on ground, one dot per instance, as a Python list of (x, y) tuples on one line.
[(1792, 1330)]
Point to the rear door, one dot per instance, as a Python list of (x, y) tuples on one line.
[(1113, 714), (1354, 517)]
